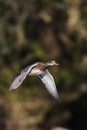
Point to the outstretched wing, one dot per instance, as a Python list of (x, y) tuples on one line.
[(48, 80), (20, 78)]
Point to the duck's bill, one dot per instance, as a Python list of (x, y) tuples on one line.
[(56, 64)]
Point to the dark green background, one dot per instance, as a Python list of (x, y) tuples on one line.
[(40, 30)]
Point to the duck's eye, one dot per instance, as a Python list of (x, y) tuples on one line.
[(51, 61)]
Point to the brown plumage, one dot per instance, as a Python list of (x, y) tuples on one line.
[(38, 69)]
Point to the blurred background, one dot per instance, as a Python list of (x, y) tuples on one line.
[(40, 30)]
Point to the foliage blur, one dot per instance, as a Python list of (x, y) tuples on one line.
[(35, 30)]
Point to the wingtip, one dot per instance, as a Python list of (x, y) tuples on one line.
[(58, 102), (58, 99), (10, 89)]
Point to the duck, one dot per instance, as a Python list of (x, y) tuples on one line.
[(40, 70)]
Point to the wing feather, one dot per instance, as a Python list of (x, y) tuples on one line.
[(48, 80), (20, 78)]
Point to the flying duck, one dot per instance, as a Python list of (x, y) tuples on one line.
[(38, 69)]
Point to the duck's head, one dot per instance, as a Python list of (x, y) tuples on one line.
[(51, 63)]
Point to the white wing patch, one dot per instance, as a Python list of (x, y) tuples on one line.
[(48, 80)]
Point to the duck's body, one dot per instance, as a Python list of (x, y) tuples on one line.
[(38, 69)]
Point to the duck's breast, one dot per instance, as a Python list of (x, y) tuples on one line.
[(35, 71)]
